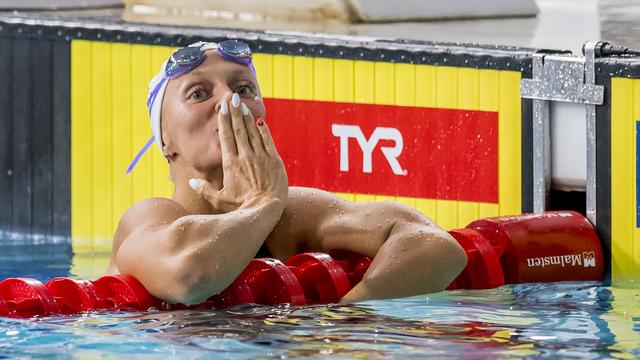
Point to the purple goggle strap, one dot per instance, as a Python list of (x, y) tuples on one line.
[(154, 93), (139, 154), (152, 99)]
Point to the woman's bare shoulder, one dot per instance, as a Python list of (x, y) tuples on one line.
[(147, 213)]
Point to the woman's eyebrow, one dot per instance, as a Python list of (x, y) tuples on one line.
[(191, 81), (234, 72), (198, 75)]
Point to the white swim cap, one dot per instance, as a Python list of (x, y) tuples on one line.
[(158, 84), (155, 104)]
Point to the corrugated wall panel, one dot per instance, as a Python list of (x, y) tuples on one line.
[(42, 138), (625, 112), (126, 69), (81, 154), (6, 140), (22, 137), (61, 162), (110, 124), (34, 140)]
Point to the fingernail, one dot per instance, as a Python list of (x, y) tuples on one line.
[(259, 121), (235, 100), (195, 184), (224, 108), (245, 109)]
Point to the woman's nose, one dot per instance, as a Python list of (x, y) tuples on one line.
[(222, 97)]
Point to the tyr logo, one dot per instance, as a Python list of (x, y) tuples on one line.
[(344, 132)]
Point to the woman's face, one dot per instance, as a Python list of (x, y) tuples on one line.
[(190, 110)]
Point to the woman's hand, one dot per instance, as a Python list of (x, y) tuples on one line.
[(252, 168)]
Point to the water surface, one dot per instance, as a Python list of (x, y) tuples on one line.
[(562, 320)]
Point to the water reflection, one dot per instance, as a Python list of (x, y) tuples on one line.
[(557, 320)]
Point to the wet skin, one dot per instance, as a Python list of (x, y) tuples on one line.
[(192, 246)]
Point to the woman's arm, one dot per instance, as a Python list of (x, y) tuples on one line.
[(411, 255), (417, 257), (186, 258)]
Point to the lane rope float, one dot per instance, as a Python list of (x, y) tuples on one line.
[(553, 246)]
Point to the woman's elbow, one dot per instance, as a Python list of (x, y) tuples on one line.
[(455, 255)]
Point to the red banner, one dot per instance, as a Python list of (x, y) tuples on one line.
[(388, 150)]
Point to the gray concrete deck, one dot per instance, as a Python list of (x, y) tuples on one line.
[(561, 24)]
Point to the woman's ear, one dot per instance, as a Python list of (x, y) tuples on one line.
[(168, 152)]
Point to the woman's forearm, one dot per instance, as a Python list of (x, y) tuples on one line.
[(221, 249), (210, 251), (415, 259)]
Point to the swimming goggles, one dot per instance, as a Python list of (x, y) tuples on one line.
[(180, 62)]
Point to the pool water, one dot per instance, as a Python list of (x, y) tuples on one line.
[(561, 320)]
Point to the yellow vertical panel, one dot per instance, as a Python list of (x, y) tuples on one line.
[(101, 100), (425, 96), (303, 78), (489, 100), (87, 264), (343, 80), (426, 91), (407, 201), (346, 196), (385, 198), (627, 182), (283, 76), (635, 100), (142, 70), (323, 83), (621, 202), (510, 144), (364, 198), (468, 98), (364, 78), (428, 208), (264, 69), (121, 125), (81, 150), (447, 97), (405, 85), (384, 91), (162, 186)]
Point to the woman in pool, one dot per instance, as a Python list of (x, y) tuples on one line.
[(232, 203)]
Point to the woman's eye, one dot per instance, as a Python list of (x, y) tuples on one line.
[(198, 95), (244, 90)]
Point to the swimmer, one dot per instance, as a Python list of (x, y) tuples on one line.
[(231, 200)]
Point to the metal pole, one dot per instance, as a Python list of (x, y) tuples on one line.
[(541, 144), (590, 78)]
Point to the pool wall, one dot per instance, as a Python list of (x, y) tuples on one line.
[(618, 165), (454, 111), (35, 134)]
